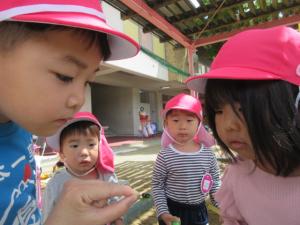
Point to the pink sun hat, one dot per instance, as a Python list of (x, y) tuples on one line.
[(84, 14), (105, 157), (184, 102), (257, 54), (190, 104)]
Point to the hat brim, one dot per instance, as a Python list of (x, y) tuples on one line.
[(198, 82), (53, 141), (121, 45), (164, 112)]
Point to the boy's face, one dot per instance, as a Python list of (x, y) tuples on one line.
[(43, 80), (182, 125), (80, 152)]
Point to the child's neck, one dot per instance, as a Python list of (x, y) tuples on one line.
[(190, 146), (91, 176)]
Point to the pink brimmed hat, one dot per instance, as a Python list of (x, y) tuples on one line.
[(258, 54), (105, 157), (191, 104), (184, 102), (84, 14)]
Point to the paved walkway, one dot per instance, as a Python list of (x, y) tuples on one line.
[(134, 163)]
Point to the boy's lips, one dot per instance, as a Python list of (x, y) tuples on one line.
[(62, 121)]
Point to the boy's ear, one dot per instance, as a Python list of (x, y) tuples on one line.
[(165, 122), (62, 156)]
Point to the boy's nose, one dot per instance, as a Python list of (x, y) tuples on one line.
[(84, 152), (76, 100)]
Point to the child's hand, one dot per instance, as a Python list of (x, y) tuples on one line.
[(76, 203), (119, 222), (168, 218)]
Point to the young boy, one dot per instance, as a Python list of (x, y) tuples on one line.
[(85, 153), (49, 51)]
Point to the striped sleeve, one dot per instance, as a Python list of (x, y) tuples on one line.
[(158, 185), (215, 172)]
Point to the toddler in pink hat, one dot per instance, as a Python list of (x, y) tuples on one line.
[(186, 170), (49, 51), (84, 150), (252, 104)]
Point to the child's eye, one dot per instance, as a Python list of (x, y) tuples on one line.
[(92, 144), (73, 146), (218, 111), (64, 78)]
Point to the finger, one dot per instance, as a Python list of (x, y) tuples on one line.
[(91, 190), (114, 211)]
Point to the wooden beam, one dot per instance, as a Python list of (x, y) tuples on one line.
[(212, 11), (155, 7), (209, 13), (295, 8), (222, 37), (141, 8)]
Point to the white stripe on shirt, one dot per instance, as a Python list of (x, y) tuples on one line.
[(177, 175)]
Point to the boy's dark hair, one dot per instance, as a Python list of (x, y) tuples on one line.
[(13, 33), (80, 127), (270, 113)]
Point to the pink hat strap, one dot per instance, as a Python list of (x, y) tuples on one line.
[(7, 12), (167, 139), (201, 137), (106, 154)]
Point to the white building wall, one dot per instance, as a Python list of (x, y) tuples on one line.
[(113, 16), (113, 106), (88, 100)]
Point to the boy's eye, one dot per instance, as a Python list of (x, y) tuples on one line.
[(64, 78), (92, 144), (74, 146)]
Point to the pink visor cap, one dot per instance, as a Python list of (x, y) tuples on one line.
[(190, 104), (184, 102), (84, 14), (105, 156), (258, 54)]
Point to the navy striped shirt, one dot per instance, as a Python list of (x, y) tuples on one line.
[(177, 175)]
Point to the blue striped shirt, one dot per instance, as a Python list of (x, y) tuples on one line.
[(177, 175)]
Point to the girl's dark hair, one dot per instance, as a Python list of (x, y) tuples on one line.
[(80, 127), (13, 33), (271, 116)]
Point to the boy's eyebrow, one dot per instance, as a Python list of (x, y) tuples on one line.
[(77, 62)]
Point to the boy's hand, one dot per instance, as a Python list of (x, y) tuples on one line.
[(168, 218), (119, 222), (76, 204)]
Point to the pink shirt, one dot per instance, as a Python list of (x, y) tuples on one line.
[(250, 196)]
